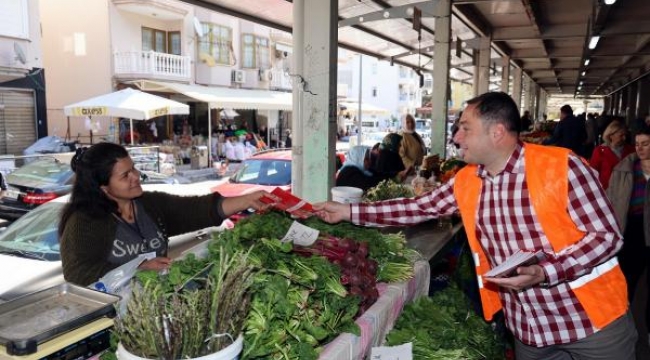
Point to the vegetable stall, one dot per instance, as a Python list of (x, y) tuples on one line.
[(332, 299)]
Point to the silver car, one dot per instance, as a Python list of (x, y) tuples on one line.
[(29, 247)]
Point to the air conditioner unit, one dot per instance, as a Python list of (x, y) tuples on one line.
[(265, 75), (238, 76)]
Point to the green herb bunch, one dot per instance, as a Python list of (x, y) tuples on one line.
[(198, 308), (388, 189)]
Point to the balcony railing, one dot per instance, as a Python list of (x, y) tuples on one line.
[(151, 64)]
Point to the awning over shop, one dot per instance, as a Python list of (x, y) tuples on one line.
[(366, 109), (222, 98)]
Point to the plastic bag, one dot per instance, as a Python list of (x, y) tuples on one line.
[(118, 280)]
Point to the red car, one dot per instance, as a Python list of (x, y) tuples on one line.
[(263, 171)]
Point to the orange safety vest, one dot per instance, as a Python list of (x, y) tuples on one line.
[(602, 292)]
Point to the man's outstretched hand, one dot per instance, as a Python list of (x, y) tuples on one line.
[(332, 211)]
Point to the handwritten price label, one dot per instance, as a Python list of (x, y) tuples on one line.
[(399, 352), (300, 234)]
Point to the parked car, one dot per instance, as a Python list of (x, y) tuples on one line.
[(47, 178), (29, 247), (263, 171), (33, 184)]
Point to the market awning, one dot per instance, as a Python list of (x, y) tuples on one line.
[(223, 98), (366, 109)]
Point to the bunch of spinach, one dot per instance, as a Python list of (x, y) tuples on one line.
[(298, 303), (445, 326)]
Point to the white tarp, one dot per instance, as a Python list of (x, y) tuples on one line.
[(218, 97), (366, 109), (127, 103)]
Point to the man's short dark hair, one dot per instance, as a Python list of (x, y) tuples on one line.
[(644, 130), (497, 108), (566, 109)]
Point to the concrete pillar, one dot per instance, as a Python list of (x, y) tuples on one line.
[(643, 98), (622, 108), (505, 74), (607, 104), (539, 93), (484, 64), (315, 39), (475, 76), (516, 86), (543, 100), (440, 74), (616, 99), (532, 91), (630, 110), (525, 97)]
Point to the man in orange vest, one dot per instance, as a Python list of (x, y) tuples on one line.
[(515, 196)]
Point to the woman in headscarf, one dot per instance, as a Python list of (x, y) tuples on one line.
[(354, 171), (388, 163), (412, 148)]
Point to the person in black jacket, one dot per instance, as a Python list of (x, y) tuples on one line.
[(354, 171), (570, 132)]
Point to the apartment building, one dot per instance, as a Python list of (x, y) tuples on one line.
[(388, 92), (23, 118), (168, 48)]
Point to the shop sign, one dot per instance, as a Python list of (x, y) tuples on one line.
[(90, 111), (159, 112)]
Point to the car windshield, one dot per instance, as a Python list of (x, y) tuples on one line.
[(34, 235), (44, 171), (263, 172)]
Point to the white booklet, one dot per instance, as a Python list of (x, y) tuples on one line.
[(520, 258)]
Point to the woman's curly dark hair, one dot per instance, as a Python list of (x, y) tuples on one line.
[(93, 167)]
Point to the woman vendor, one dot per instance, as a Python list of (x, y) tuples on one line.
[(110, 220)]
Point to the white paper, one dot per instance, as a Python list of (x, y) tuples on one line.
[(300, 234), (399, 352), (519, 258)]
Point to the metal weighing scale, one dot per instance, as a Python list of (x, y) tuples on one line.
[(81, 343), (63, 322)]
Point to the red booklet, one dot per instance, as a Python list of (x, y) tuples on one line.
[(289, 203)]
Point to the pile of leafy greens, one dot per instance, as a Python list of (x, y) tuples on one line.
[(388, 189), (445, 326), (298, 303)]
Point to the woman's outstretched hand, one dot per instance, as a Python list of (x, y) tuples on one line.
[(235, 204)]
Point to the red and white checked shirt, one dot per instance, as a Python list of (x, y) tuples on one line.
[(506, 222)]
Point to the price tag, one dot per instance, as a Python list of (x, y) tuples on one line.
[(399, 352), (300, 234)]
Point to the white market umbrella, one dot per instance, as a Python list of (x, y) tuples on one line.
[(127, 103)]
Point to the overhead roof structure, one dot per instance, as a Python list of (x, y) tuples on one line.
[(549, 39)]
